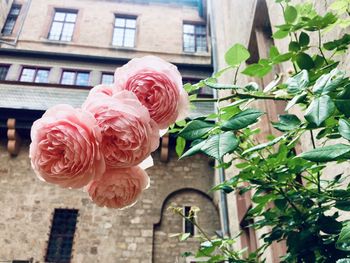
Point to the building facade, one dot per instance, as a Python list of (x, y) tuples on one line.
[(54, 51)]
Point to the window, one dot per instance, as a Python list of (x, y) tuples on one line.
[(3, 71), (37, 75), (194, 38), (60, 243), (124, 32), (63, 25), (107, 78), (11, 20), (188, 226), (72, 77)]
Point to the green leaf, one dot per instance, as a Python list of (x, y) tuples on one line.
[(339, 44), (251, 86), (343, 260), (193, 150), (214, 85), (242, 119), (298, 83), (343, 205), (274, 52), (236, 55), (184, 236), (282, 57), (279, 34), (342, 101), (299, 98), (196, 129), (343, 242), (320, 109), (257, 70), (304, 39), (180, 145), (263, 145), (304, 61), (329, 225), (344, 128), (294, 46), (327, 153), (218, 145), (290, 14), (287, 122), (328, 82)]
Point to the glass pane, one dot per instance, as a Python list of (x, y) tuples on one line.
[(55, 31), (201, 43), (27, 75), (82, 79), (189, 29), (71, 17), (131, 23), (3, 72), (9, 25), (118, 37), (68, 78), (42, 76), (67, 32), (15, 10), (189, 44), (107, 79), (59, 16), (120, 22), (129, 38), (200, 30)]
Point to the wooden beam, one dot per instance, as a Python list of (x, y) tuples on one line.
[(164, 148), (14, 139)]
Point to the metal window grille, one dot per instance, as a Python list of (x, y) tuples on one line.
[(60, 243)]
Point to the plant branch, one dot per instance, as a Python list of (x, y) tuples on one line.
[(243, 96), (320, 46)]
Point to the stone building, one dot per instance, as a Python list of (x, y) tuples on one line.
[(54, 51)]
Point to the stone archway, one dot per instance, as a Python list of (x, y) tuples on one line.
[(166, 249)]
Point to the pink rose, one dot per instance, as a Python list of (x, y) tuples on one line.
[(129, 135), (102, 89), (118, 187), (65, 147), (158, 85)]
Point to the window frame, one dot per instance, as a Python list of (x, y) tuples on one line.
[(106, 73), (184, 221), (10, 16), (124, 16), (76, 71), (195, 24), (36, 68), (66, 11), (53, 235), (8, 69)]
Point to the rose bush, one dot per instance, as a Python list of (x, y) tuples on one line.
[(65, 147), (129, 135), (158, 86), (118, 187)]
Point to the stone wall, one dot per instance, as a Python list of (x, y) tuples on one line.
[(102, 235), (159, 29)]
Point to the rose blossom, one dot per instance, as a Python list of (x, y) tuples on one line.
[(158, 85), (64, 148), (129, 135), (118, 187), (102, 89)]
